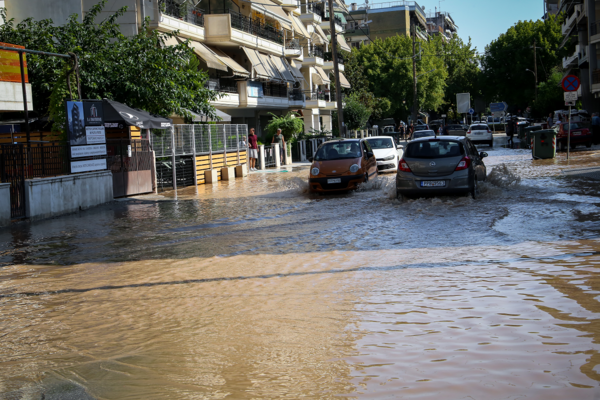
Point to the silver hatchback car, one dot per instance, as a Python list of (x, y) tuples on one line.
[(440, 165)]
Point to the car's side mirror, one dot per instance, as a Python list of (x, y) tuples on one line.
[(310, 159), (370, 154), (483, 154)]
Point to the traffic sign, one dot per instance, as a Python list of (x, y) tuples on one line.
[(570, 83), (571, 96), (471, 111), (498, 114), (570, 103), (498, 107)]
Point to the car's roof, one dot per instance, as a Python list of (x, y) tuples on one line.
[(380, 137), (427, 130), (445, 138), (343, 140), (479, 123)]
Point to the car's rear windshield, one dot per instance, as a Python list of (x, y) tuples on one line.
[(454, 127), (384, 143), (420, 134), (434, 149), (338, 151), (573, 126), (479, 127), (421, 128)]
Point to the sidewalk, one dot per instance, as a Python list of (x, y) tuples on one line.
[(283, 168)]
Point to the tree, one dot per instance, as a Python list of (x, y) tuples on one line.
[(291, 126), (139, 71), (506, 60), (462, 64), (356, 113), (386, 69), (550, 95)]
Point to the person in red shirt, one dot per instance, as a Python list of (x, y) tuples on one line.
[(252, 149)]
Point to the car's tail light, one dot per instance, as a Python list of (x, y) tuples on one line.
[(489, 130), (403, 166), (463, 164), (469, 131)]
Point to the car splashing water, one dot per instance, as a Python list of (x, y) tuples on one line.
[(256, 288)]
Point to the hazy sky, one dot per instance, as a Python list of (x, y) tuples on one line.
[(483, 20)]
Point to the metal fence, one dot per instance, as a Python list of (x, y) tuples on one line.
[(270, 156), (198, 139)]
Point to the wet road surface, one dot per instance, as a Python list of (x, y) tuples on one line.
[(255, 289)]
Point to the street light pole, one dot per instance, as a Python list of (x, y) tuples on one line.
[(336, 70), (414, 60), (535, 68), (535, 76)]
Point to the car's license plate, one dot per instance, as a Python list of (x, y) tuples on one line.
[(334, 180), (478, 133), (576, 133), (433, 183)]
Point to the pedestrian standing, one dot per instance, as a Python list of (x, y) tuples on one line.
[(550, 121), (510, 131), (252, 149), (411, 130), (595, 128), (402, 131), (278, 138)]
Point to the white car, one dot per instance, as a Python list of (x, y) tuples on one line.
[(387, 153), (481, 133)]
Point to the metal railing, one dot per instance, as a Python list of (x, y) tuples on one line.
[(315, 51), (594, 28), (296, 95), (596, 76), (224, 85), (320, 95), (314, 8), (337, 20), (275, 90), (293, 44), (184, 12), (328, 56), (255, 27), (184, 140), (333, 96)]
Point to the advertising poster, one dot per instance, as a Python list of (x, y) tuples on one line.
[(255, 89), (88, 151), (95, 134), (88, 165), (75, 124), (93, 113)]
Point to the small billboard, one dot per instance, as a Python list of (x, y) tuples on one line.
[(463, 103)]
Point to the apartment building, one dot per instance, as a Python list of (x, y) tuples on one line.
[(582, 38), (441, 23), (387, 19), (264, 56), (550, 7)]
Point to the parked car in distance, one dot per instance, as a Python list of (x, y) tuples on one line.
[(480, 133), (341, 165), (442, 165), (579, 135), (423, 133), (421, 127), (387, 153), (455, 130)]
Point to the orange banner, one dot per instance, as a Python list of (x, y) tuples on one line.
[(10, 68)]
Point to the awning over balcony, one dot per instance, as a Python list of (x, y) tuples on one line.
[(169, 41), (342, 42), (271, 68), (320, 77), (283, 70), (295, 70), (343, 81), (236, 68), (272, 10), (318, 36), (209, 57), (299, 27), (260, 70)]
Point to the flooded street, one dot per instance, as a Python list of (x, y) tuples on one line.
[(255, 289)]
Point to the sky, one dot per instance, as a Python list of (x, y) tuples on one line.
[(483, 20)]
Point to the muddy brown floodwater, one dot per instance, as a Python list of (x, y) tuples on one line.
[(255, 289)]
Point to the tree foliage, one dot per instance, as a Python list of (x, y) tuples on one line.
[(356, 113), (462, 64), (506, 60), (290, 124), (139, 71)]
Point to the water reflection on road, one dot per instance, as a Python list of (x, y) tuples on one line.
[(256, 289)]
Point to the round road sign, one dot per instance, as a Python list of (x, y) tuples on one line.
[(570, 83), (471, 111)]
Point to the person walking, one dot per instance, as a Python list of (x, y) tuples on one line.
[(401, 131), (510, 132), (278, 138), (411, 130), (252, 149)]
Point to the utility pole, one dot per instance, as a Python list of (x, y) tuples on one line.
[(414, 60), (336, 70), (535, 68)]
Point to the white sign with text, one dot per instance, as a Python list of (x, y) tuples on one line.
[(89, 165), (571, 96), (88, 151), (95, 134)]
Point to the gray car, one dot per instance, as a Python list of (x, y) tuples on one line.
[(441, 165)]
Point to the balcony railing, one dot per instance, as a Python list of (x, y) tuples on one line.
[(352, 30), (594, 28), (315, 51), (296, 95), (256, 27), (596, 77), (319, 95), (275, 90), (315, 8), (328, 56), (184, 12), (333, 96), (293, 44), (337, 20), (222, 85)]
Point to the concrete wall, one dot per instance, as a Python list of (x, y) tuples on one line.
[(4, 204), (49, 197)]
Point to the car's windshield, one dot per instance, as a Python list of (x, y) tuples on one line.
[(338, 151), (434, 149), (421, 134), (381, 143)]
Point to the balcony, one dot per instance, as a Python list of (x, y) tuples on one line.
[(269, 95), (290, 5), (594, 33), (296, 98), (189, 21), (312, 13), (229, 92), (313, 55), (569, 23), (326, 25), (596, 81), (331, 102), (235, 29), (293, 48), (316, 99), (328, 61), (571, 60), (352, 31)]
